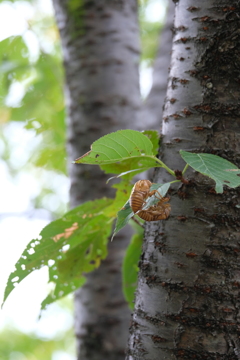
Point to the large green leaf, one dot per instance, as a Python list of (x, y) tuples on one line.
[(134, 165), (215, 167), (70, 246), (130, 267), (119, 146)]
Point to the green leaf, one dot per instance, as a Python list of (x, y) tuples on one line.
[(118, 146), (162, 189), (62, 290), (154, 137), (81, 258), (236, 171), (130, 267), (123, 192), (123, 217), (135, 164), (214, 167), (127, 172), (126, 213), (130, 166), (70, 246)]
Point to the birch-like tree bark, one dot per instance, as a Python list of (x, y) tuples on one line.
[(187, 302), (100, 42)]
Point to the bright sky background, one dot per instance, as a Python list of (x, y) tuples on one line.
[(17, 227)]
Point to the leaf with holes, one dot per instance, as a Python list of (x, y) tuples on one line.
[(214, 167), (70, 246), (81, 258)]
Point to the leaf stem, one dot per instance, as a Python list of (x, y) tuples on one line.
[(174, 181), (136, 221), (165, 167), (185, 169)]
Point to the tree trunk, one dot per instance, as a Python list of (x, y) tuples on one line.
[(100, 41), (187, 302)]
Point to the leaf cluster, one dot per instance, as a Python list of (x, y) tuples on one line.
[(77, 243), (42, 105), (31, 100)]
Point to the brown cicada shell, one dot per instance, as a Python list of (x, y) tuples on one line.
[(159, 211), (140, 193)]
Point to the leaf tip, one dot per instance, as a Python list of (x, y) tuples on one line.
[(78, 160), (40, 314)]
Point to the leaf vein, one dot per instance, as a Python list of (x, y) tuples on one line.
[(131, 141)]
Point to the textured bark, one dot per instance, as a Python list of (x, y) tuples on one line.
[(151, 114), (187, 304), (100, 42)]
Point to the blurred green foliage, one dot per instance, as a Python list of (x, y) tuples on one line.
[(42, 104), (31, 96), (34, 345), (16, 345), (149, 33), (32, 101)]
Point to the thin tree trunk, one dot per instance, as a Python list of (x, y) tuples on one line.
[(187, 303), (100, 41)]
